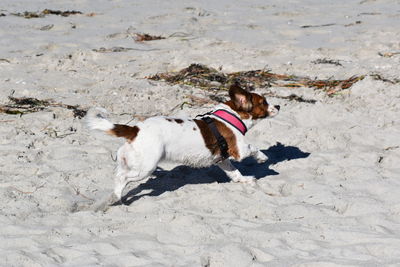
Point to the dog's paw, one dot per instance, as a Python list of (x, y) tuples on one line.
[(262, 160), (104, 204), (245, 180), (261, 157)]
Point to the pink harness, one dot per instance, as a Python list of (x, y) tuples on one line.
[(232, 119)]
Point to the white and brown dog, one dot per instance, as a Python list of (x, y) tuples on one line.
[(187, 141)]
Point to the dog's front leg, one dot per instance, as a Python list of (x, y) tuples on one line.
[(257, 154), (234, 173)]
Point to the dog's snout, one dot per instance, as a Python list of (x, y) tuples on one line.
[(278, 107)]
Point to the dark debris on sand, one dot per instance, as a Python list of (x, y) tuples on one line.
[(327, 61), (207, 78), (379, 77), (144, 37), (24, 105), (41, 14)]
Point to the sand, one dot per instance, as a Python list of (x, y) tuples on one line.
[(327, 196)]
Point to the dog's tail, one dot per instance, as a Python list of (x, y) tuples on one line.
[(97, 119)]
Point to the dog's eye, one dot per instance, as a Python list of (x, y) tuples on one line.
[(265, 102)]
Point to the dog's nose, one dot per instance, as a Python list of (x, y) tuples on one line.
[(278, 107)]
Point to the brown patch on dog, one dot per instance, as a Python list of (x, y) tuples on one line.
[(211, 142), (125, 131), (247, 104), (260, 106), (178, 121), (240, 98), (242, 114)]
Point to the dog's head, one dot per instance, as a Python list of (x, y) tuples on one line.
[(250, 105)]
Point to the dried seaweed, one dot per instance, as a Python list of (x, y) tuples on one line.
[(61, 13), (388, 54), (210, 79), (293, 97), (24, 105), (29, 15), (117, 49), (379, 77), (354, 23), (144, 37), (370, 13), (317, 26), (41, 14), (340, 84), (195, 75), (327, 61), (28, 101), (47, 27), (112, 49)]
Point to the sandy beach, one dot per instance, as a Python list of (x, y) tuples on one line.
[(327, 196)]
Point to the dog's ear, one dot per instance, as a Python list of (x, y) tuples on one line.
[(240, 97)]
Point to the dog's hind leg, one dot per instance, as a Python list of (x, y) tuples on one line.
[(120, 183), (137, 173), (132, 167), (105, 203)]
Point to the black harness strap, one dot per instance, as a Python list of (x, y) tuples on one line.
[(223, 145)]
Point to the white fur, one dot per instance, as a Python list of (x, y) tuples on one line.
[(96, 119), (160, 139)]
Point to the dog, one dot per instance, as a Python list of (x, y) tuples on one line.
[(191, 142)]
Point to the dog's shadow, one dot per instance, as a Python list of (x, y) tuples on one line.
[(171, 180)]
